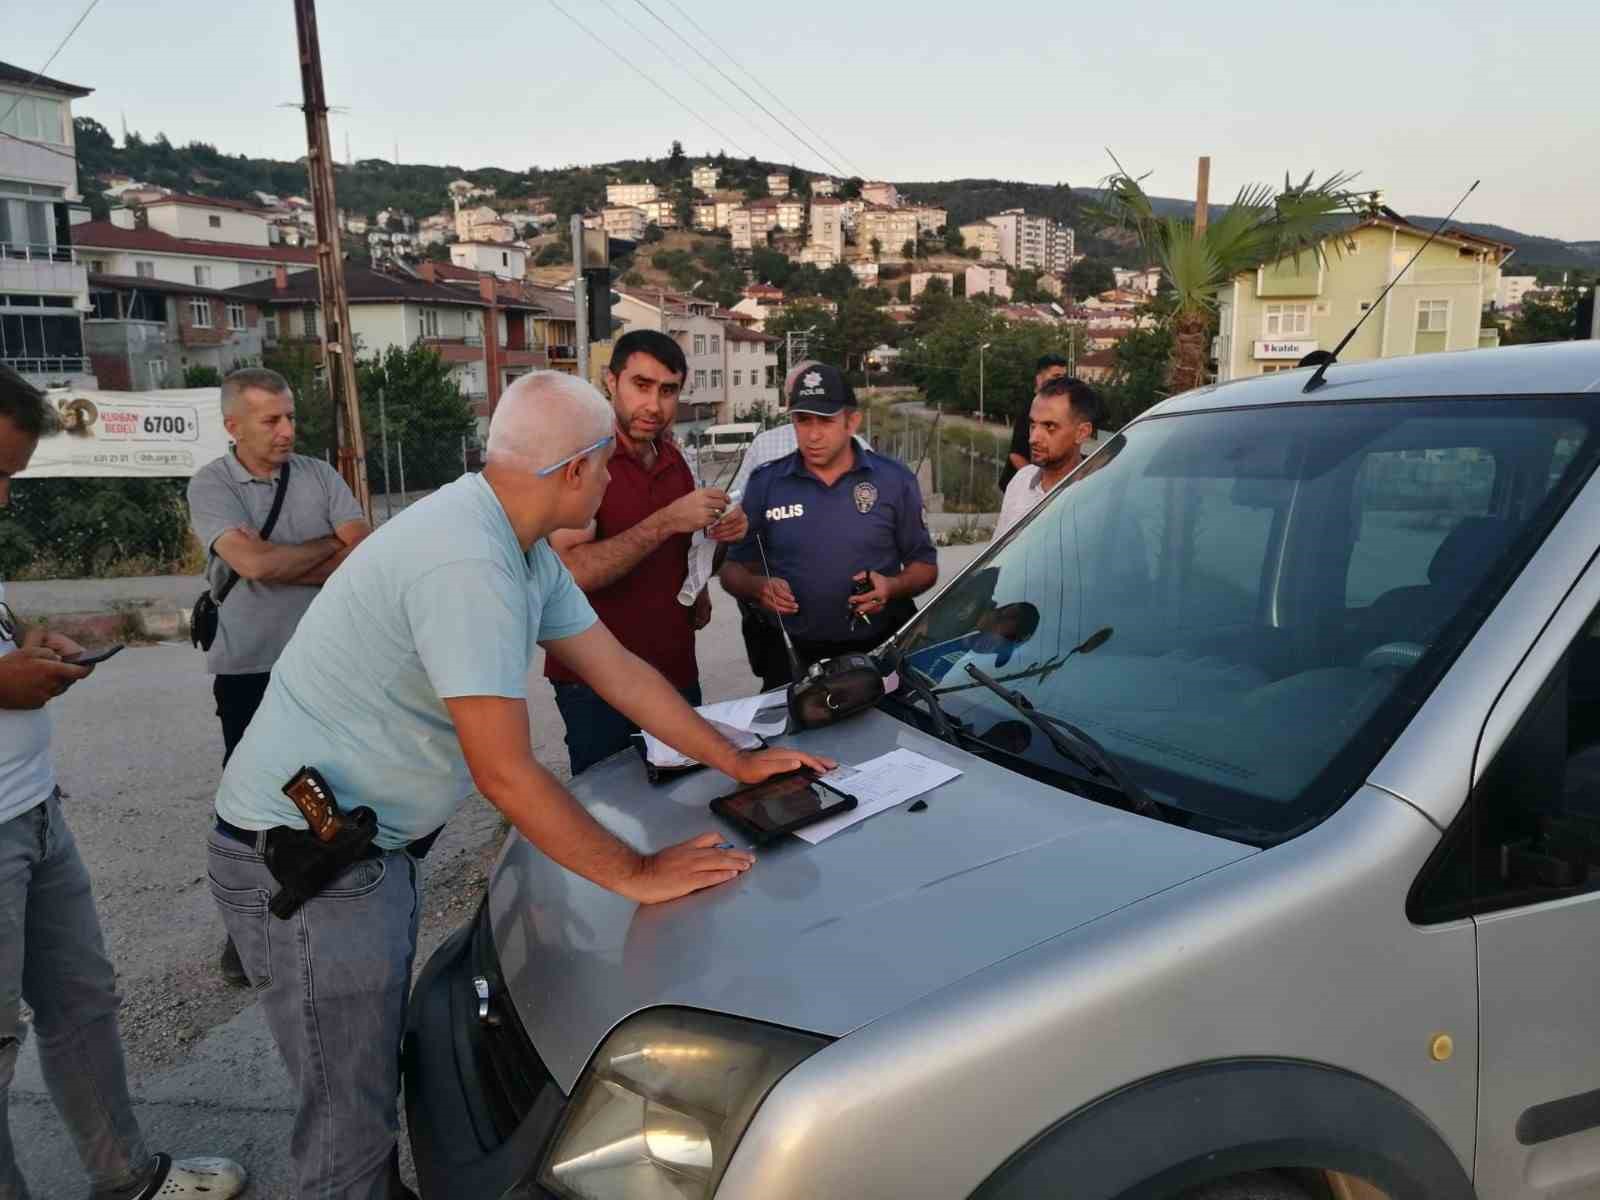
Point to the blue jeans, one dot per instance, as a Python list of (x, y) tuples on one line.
[(595, 730), (53, 956), (332, 981)]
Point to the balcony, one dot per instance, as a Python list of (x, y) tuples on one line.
[(38, 252), (523, 356), (48, 366), (26, 267), (466, 349), (559, 352)]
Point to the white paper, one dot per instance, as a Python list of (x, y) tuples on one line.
[(878, 784), (701, 552), (743, 722)]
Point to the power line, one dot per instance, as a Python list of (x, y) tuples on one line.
[(778, 100), (743, 91), (717, 96), (640, 72), (60, 46)]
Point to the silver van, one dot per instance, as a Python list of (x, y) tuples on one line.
[(1272, 871)]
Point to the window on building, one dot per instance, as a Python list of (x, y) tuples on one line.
[(699, 343), (269, 328), (37, 118), (200, 312), (430, 323), (699, 380), (1433, 316), (716, 379), (97, 265), (202, 276), (145, 270), (738, 378), (1286, 320), (716, 344), (236, 317), (215, 222)]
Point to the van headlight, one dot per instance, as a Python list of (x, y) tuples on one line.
[(662, 1105)]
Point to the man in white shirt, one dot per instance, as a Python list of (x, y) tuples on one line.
[(1061, 422)]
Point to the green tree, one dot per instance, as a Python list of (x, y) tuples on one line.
[(816, 322), (555, 253), (677, 162), (902, 291), (1139, 377), (877, 249), (771, 267), (850, 189), (1546, 320), (1261, 226), (424, 409), (954, 242), (77, 528), (199, 377), (861, 325), (908, 249), (838, 281), (1090, 277)]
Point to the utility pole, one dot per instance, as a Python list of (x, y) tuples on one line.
[(383, 434), (580, 300), (981, 349), (1202, 194), (338, 351)]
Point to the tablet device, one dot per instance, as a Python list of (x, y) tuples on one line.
[(768, 810)]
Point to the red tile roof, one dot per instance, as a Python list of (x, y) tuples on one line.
[(206, 202), (103, 235)]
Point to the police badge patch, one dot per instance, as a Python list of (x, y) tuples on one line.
[(866, 495)]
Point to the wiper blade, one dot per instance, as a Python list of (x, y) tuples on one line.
[(1072, 742), (941, 719)]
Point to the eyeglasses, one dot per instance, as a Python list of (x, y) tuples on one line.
[(8, 622), (554, 467)]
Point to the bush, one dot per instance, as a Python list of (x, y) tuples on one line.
[(79, 528), (198, 377)]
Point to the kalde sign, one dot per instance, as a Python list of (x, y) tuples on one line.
[(146, 435), (1285, 349)]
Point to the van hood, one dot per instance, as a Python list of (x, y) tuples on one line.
[(829, 937)]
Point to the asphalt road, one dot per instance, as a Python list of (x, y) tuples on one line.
[(139, 750)]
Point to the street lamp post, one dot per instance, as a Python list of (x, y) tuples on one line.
[(981, 349)]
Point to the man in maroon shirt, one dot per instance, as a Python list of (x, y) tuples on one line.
[(632, 561)]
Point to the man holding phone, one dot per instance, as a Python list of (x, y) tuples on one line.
[(280, 569), (52, 954)]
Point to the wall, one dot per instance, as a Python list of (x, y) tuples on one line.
[(192, 221), (179, 268), (377, 327)]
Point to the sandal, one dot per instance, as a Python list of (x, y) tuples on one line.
[(194, 1179)]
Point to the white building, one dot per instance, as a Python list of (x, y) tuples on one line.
[(821, 185), (495, 258), (631, 195), (930, 218), (818, 254), (44, 288), (705, 177), (662, 213), (624, 222), (716, 348), (827, 225), (791, 213), (983, 237), (866, 272), (203, 218), (879, 192), (108, 249), (778, 183), (921, 279), (988, 279), (1512, 288), (1144, 281), (1033, 243), (892, 228)]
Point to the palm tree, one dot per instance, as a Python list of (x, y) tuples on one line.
[(1260, 226), (877, 249)]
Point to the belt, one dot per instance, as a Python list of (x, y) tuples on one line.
[(255, 837)]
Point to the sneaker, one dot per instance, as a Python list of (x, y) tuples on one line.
[(194, 1179), (232, 969)]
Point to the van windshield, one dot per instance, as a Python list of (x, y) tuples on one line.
[(1264, 596)]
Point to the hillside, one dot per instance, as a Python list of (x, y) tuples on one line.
[(419, 188)]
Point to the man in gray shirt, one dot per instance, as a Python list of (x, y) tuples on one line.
[(318, 526)]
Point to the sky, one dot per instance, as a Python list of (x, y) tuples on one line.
[(1420, 100)]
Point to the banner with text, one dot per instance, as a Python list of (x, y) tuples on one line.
[(131, 435)]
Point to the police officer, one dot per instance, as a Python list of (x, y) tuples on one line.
[(842, 530)]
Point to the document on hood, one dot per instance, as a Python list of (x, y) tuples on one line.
[(743, 722), (878, 784)]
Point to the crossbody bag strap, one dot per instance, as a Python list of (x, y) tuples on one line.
[(266, 530)]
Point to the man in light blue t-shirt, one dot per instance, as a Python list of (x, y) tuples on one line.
[(406, 686)]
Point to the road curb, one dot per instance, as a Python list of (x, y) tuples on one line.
[(129, 624)]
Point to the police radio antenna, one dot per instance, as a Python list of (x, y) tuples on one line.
[(1317, 379), (795, 672)]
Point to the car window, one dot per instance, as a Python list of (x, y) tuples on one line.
[(1531, 831), (1407, 501), (1276, 588)]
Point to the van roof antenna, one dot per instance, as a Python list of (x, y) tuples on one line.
[(1316, 379)]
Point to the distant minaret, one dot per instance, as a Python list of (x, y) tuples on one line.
[(124, 130), (397, 152), (347, 147)]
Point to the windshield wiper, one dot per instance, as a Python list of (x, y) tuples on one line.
[(1072, 742), (941, 719)]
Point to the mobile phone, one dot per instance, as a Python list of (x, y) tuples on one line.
[(89, 659)]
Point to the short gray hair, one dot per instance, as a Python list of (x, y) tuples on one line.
[(262, 379), (545, 416)]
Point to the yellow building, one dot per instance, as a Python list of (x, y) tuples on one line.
[(1274, 315)]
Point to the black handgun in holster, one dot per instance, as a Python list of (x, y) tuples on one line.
[(305, 861)]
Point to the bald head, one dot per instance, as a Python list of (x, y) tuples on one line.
[(544, 417)]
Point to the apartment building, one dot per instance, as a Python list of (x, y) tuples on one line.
[(716, 347), (631, 195), (1513, 288), (881, 193), (892, 228), (144, 333), (1145, 281), (791, 213), (822, 185), (988, 279), (44, 287), (109, 249), (497, 259), (1271, 317), (661, 213), (921, 279), (751, 224), (827, 225), (983, 237), (705, 177), (817, 254), (1033, 243), (778, 184), (930, 218), (624, 222)]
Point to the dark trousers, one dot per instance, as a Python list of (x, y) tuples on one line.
[(595, 730), (238, 697)]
